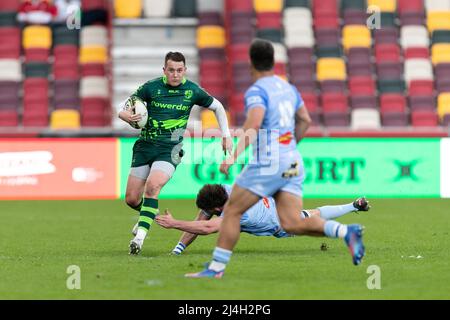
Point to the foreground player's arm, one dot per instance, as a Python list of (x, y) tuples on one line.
[(302, 122), (221, 116)]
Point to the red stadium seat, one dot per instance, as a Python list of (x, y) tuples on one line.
[(35, 89), (87, 5), (37, 54), (325, 8), (33, 118), (66, 52), (66, 62), (268, 20), (404, 6), (9, 5), (212, 69), (93, 70), (392, 103), (238, 52), (362, 85), (240, 5), (421, 88), (419, 52), (424, 118), (311, 101), (10, 42), (312, 104), (9, 118), (237, 102), (36, 102), (387, 52), (95, 112), (326, 22), (325, 14), (334, 102)]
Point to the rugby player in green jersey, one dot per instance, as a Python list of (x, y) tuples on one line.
[(157, 152)]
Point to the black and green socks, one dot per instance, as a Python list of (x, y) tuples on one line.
[(149, 210)]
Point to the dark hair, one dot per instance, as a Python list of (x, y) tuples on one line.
[(175, 56), (262, 55), (211, 196)]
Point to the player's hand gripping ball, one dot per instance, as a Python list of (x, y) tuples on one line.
[(137, 106)]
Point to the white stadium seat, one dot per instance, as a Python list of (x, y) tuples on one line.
[(365, 119), (418, 69), (94, 87), (414, 36)]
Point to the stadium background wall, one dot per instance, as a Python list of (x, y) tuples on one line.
[(336, 167)]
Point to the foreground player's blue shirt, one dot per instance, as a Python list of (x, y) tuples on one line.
[(261, 219), (281, 101)]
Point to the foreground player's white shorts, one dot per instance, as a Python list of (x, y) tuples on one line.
[(288, 176)]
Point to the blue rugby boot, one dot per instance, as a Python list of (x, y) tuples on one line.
[(354, 242)]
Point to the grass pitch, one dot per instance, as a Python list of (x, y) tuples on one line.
[(407, 239)]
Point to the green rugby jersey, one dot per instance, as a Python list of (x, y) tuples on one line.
[(169, 108)]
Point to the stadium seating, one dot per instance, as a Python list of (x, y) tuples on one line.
[(209, 120), (11, 70), (36, 102), (331, 69), (383, 5), (65, 119), (184, 8), (443, 106), (128, 9), (398, 73), (356, 36), (418, 69), (438, 20), (10, 43), (440, 53), (414, 36), (157, 8), (210, 37), (365, 119)]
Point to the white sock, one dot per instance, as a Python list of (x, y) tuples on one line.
[(333, 212), (217, 266), (141, 234)]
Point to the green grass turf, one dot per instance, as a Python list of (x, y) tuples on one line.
[(40, 239)]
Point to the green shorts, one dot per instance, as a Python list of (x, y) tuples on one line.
[(145, 153)]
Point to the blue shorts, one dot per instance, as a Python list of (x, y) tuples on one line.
[(266, 180)]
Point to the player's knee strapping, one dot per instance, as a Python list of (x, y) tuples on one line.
[(149, 210)]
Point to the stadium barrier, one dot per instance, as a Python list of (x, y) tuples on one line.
[(335, 168), (445, 168), (66, 169)]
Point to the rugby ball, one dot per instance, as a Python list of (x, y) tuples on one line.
[(139, 107)]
